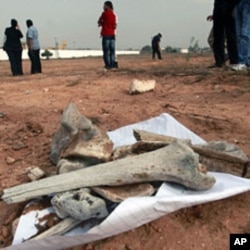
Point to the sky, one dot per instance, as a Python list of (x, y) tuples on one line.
[(75, 21)]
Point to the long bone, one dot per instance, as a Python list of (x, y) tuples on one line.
[(176, 163)]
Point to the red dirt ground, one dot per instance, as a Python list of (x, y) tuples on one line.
[(212, 103)]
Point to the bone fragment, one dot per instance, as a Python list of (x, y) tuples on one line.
[(98, 147), (218, 156), (142, 135), (66, 165), (176, 163), (221, 156), (79, 204), (118, 194), (223, 151), (137, 148), (74, 126), (59, 229)]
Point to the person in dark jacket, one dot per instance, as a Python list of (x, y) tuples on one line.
[(156, 48), (13, 47), (224, 28)]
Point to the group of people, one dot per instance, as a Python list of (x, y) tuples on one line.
[(231, 24), (13, 47)]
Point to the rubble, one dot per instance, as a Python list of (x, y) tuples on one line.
[(91, 172)]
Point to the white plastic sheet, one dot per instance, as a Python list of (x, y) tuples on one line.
[(134, 212)]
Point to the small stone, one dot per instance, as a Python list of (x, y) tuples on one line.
[(17, 145), (217, 87), (10, 160), (236, 141), (35, 173)]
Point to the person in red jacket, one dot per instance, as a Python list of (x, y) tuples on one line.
[(107, 22)]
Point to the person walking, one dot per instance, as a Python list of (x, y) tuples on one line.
[(156, 48), (13, 47), (108, 24), (33, 47), (224, 29), (242, 20)]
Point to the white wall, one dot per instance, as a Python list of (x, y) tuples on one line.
[(71, 53)]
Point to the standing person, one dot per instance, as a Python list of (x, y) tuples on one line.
[(156, 48), (224, 28), (13, 47), (33, 47), (242, 20), (108, 23), (210, 41)]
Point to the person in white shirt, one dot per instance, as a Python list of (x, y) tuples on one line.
[(33, 48)]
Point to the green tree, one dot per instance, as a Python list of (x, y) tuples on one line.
[(47, 54)]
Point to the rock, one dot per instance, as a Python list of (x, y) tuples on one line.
[(10, 160), (79, 205), (35, 173), (138, 86), (34, 127), (59, 142), (73, 121), (17, 145)]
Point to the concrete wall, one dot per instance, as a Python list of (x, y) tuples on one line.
[(71, 53)]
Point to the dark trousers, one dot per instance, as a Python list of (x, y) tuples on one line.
[(36, 66), (224, 28), (15, 58), (156, 50)]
